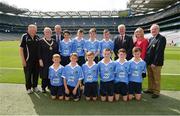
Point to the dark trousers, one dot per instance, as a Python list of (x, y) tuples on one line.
[(31, 76), (45, 83)]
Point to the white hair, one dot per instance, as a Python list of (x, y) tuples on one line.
[(155, 25), (121, 26), (47, 28)]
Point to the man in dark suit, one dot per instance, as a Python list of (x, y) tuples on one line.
[(155, 60), (123, 41), (58, 36)]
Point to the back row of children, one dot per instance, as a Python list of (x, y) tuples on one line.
[(117, 78), (81, 46)]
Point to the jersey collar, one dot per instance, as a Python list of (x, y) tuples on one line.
[(118, 60), (105, 63), (52, 66), (135, 61), (90, 66), (73, 66)]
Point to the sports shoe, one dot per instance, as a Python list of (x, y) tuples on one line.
[(35, 89), (29, 91), (77, 99)]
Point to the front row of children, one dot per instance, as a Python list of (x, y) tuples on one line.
[(117, 78)]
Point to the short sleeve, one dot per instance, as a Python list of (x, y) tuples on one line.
[(81, 75), (23, 41), (64, 73)]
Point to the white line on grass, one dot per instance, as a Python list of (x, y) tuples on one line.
[(8, 68)]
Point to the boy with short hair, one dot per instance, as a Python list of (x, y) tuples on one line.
[(137, 73), (106, 43), (65, 48), (72, 75), (78, 46), (106, 69), (90, 70), (92, 44), (121, 76), (55, 76)]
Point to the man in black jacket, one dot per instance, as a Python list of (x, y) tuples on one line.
[(123, 41), (155, 60), (29, 56)]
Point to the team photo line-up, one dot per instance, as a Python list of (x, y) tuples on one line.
[(70, 68)]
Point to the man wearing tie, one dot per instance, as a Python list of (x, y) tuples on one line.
[(123, 41), (155, 60), (58, 36)]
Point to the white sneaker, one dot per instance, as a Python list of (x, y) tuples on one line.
[(29, 91), (77, 99), (35, 89)]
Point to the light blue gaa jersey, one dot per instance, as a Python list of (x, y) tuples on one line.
[(78, 46), (72, 74), (136, 70), (65, 48), (105, 44), (55, 75), (92, 46), (121, 71), (106, 71), (90, 73)]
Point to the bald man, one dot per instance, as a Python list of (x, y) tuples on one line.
[(155, 60)]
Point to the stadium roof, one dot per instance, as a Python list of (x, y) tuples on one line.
[(135, 6), (73, 14), (149, 6)]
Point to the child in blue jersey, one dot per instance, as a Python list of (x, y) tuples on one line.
[(92, 44), (121, 76), (55, 76), (137, 72), (65, 48), (72, 75), (90, 70), (78, 46), (105, 43), (106, 71)]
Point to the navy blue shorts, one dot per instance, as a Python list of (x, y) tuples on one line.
[(121, 88), (65, 60), (81, 60), (107, 88), (135, 88), (91, 89), (57, 90), (77, 95)]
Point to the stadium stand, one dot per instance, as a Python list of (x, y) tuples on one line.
[(15, 20)]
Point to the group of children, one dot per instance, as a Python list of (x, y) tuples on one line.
[(117, 78), (80, 46)]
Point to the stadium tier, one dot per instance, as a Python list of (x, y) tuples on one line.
[(168, 19)]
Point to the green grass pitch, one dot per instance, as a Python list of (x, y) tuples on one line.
[(9, 58), (20, 103)]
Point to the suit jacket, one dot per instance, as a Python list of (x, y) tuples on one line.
[(54, 37), (155, 50), (127, 44)]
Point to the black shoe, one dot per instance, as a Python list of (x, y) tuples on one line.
[(148, 92), (154, 96), (43, 90)]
